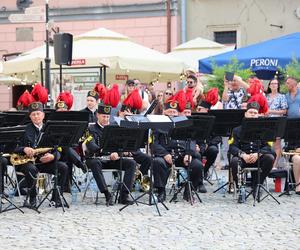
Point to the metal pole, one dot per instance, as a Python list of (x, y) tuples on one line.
[(168, 26), (47, 59), (60, 78), (42, 73)]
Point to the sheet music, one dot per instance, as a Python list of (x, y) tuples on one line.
[(158, 118)]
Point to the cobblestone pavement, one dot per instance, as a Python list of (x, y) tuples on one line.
[(217, 223)]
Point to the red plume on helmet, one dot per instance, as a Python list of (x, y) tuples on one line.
[(189, 96), (133, 100), (262, 101), (255, 87), (212, 96), (40, 93), (112, 96), (67, 98), (25, 99), (101, 90), (180, 97)]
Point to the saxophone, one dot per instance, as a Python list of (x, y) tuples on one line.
[(19, 159)]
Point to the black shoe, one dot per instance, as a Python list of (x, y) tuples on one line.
[(161, 196), (108, 199), (32, 201), (202, 189), (124, 199)]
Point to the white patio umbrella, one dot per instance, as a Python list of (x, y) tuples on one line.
[(198, 48), (9, 80), (103, 46)]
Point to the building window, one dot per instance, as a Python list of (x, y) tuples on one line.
[(24, 34), (225, 37)]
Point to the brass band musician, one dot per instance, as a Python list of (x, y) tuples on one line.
[(247, 151), (95, 163), (46, 163)]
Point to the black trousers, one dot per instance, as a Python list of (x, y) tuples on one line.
[(70, 156), (144, 160), (30, 171), (266, 164), (128, 166), (211, 154), (195, 170)]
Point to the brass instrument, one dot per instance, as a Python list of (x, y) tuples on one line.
[(19, 159), (143, 180)]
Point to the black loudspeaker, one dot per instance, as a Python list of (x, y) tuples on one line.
[(63, 44)]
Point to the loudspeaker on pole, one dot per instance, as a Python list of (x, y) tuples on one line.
[(63, 45)]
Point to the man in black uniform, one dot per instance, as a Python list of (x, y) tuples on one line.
[(45, 163), (163, 147), (95, 163), (68, 154), (91, 105), (247, 152), (209, 148)]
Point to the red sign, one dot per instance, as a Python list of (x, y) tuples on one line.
[(78, 62), (122, 77)]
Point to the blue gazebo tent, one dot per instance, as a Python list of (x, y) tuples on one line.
[(263, 58)]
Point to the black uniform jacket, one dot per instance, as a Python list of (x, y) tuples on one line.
[(164, 145), (92, 115), (94, 142), (30, 139), (237, 146)]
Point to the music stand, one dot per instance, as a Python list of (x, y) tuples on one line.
[(14, 118), (155, 122), (9, 136), (262, 130), (60, 134), (120, 140), (292, 137), (199, 130), (225, 121)]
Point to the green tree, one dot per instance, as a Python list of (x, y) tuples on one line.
[(217, 78)]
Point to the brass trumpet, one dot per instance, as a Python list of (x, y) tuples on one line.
[(144, 180), (19, 159)]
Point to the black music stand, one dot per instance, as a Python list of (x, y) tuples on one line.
[(199, 130), (292, 137), (120, 140), (151, 122), (225, 121), (9, 138), (60, 134), (262, 130), (14, 118)]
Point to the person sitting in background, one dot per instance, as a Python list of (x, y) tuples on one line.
[(293, 97), (91, 105), (277, 104), (158, 110), (209, 148)]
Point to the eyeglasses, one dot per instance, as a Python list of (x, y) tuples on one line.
[(168, 93)]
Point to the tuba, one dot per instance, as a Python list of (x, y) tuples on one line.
[(19, 159), (143, 180)]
